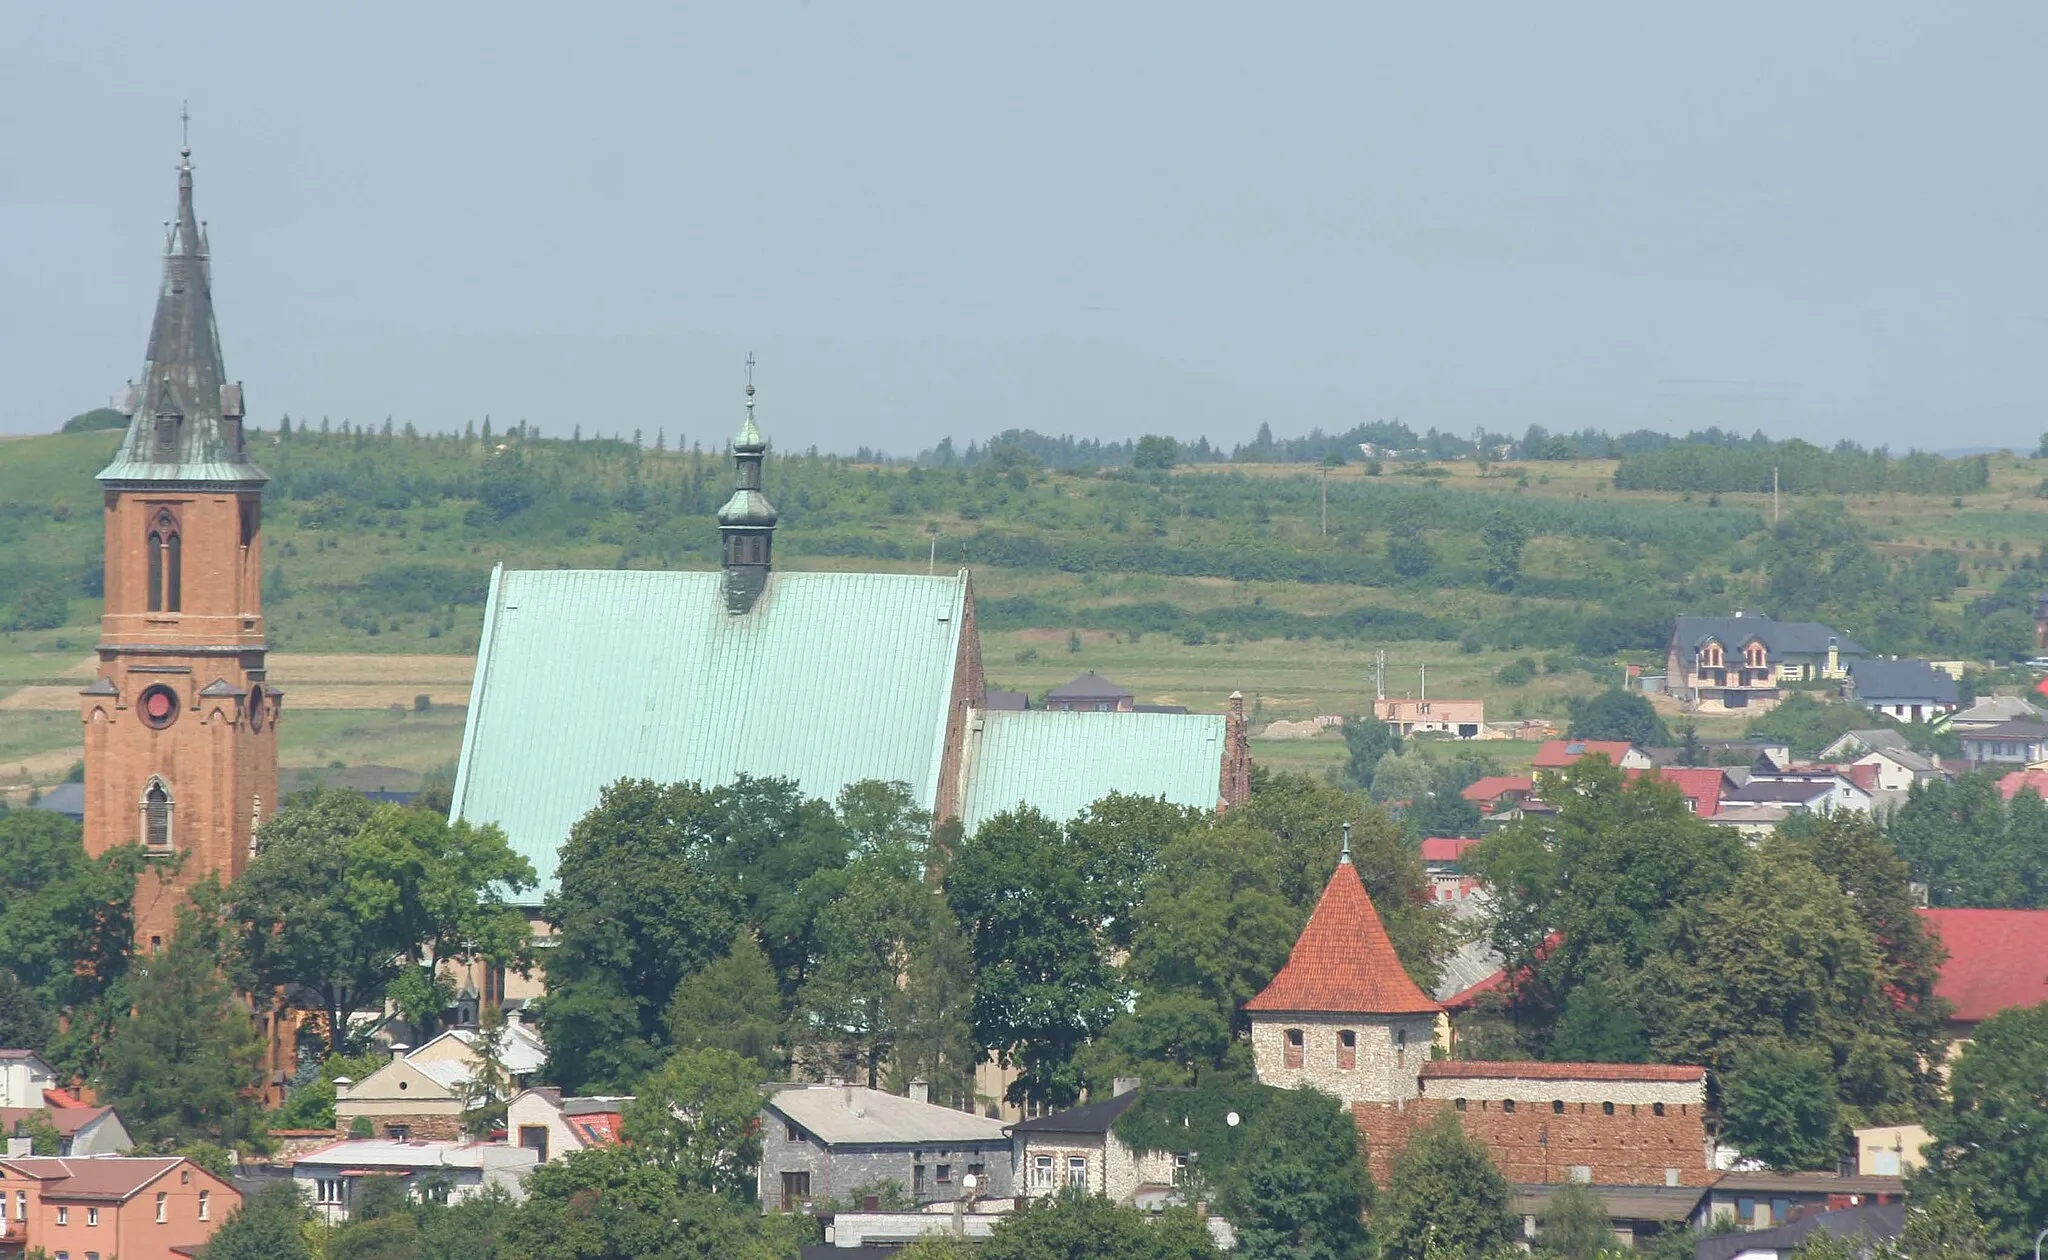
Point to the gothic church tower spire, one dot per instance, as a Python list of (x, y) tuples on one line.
[(180, 739)]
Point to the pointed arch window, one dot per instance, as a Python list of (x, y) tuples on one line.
[(166, 567), (157, 806)]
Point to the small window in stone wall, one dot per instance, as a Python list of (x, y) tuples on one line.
[(1507, 1104), (1557, 1106), (1459, 1103), (1347, 1049), (1607, 1109), (1656, 1109), (1291, 1056)]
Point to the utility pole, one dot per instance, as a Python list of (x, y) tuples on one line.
[(1326, 503), (1379, 676), (1774, 494), (1425, 682), (932, 568)]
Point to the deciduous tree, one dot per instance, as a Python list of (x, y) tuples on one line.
[(1444, 1198), (1990, 1147), (697, 1119)]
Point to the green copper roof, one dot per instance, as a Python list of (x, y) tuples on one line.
[(1064, 762), (586, 677)]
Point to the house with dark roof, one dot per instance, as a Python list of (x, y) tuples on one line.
[(1802, 793), (1867, 1224), (1091, 693), (1991, 711), (1079, 1149), (1997, 959), (1344, 1016), (1743, 661), (825, 678), (1909, 691), (67, 799)]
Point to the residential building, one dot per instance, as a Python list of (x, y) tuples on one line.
[(110, 1207), (1502, 798), (1997, 959), (1898, 769), (404, 1100), (1344, 1016), (1890, 1150), (180, 720), (1743, 661), (1091, 693), (1864, 1227), (67, 799), (23, 1078), (827, 678), (521, 1053), (1991, 711), (554, 1127), (1701, 787), (1461, 719), (2020, 742), (81, 1131), (1807, 793), (1762, 1200), (1908, 691), (1443, 859), (849, 1144), (446, 1172), (1079, 1148), (1556, 754), (1853, 744)]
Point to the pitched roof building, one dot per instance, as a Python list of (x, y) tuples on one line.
[(1997, 959), (586, 677), (1556, 754), (117, 1206)]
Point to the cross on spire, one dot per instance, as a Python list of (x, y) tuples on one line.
[(750, 375)]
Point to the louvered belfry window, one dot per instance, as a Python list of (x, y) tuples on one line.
[(156, 816)]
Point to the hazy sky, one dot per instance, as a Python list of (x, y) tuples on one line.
[(1824, 219)]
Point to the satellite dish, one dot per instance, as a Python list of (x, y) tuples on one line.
[(1232, 1119)]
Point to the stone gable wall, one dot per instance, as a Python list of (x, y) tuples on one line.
[(1384, 1071)]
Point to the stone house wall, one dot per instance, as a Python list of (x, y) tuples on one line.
[(1391, 1049), (843, 1174)]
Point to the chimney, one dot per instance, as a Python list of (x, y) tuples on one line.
[(920, 1090), (1123, 1085), (398, 1049)]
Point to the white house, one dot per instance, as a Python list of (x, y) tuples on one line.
[(553, 1127), (23, 1078), (445, 1172)]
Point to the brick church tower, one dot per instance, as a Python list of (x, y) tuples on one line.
[(180, 735)]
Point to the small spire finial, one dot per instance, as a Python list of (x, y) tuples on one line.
[(750, 378), (1344, 858), (185, 130)]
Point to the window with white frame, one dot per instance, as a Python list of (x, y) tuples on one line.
[(1077, 1172), (205, 1205), (330, 1191), (163, 1201), (1041, 1172)]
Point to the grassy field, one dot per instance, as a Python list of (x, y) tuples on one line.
[(374, 599)]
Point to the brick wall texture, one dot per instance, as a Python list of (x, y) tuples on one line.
[(1535, 1142)]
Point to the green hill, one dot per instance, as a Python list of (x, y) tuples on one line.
[(1186, 583)]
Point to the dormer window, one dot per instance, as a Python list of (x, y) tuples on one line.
[(166, 437), (1711, 657)]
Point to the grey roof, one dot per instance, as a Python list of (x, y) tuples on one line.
[(1790, 791), (1778, 637), (1006, 701), (1991, 709), (1879, 739), (2019, 729), (1623, 1203), (1917, 762), (1918, 681), (1874, 1221), (1089, 686), (1094, 1117), (183, 393), (67, 799), (854, 1115)]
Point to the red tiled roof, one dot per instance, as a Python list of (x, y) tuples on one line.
[(1997, 959), (2011, 785), (1559, 753), (599, 1128), (67, 1121), (104, 1177), (1445, 848), (61, 1098), (1491, 788), (1701, 786), (1343, 962), (1532, 1071)]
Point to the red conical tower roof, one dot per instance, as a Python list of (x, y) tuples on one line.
[(1343, 963)]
